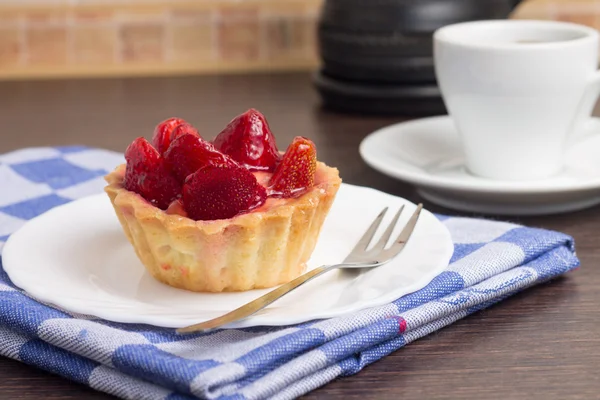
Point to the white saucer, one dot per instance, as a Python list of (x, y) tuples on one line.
[(76, 257), (427, 153)]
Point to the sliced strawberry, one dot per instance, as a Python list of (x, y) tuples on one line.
[(188, 153), (249, 140), (296, 172), (147, 174), (221, 192), (169, 130)]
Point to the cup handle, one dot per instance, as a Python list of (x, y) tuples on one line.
[(586, 107)]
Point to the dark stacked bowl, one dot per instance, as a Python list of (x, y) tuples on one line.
[(377, 55)]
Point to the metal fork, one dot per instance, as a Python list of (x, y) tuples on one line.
[(360, 257)]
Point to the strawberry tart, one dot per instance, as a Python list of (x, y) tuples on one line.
[(233, 214)]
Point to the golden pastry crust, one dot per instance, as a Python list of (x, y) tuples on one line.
[(262, 248)]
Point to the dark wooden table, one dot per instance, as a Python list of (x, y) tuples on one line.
[(541, 344)]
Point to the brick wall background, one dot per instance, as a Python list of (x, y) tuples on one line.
[(47, 38), (586, 12), (65, 38)]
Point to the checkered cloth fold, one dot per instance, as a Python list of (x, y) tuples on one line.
[(492, 260)]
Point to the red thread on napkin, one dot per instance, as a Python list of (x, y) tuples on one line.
[(401, 324)]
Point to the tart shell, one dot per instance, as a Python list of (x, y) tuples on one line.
[(259, 249)]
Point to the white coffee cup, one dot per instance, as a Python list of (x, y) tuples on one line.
[(516, 90)]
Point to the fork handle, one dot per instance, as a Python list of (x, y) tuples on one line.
[(258, 304)]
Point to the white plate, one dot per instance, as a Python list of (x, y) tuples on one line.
[(427, 153), (76, 257)]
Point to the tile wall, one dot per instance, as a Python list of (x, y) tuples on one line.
[(57, 38), (92, 38), (586, 12)]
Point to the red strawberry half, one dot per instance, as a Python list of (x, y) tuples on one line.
[(147, 175), (249, 141), (296, 172), (221, 192), (188, 153), (169, 130)]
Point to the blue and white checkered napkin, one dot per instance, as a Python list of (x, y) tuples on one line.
[(492, 260)]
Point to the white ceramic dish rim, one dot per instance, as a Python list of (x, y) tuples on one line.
[(369, 148), (74, 305)]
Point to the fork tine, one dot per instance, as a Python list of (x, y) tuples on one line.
[(380, 245), (364, 241), (403, 237)]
